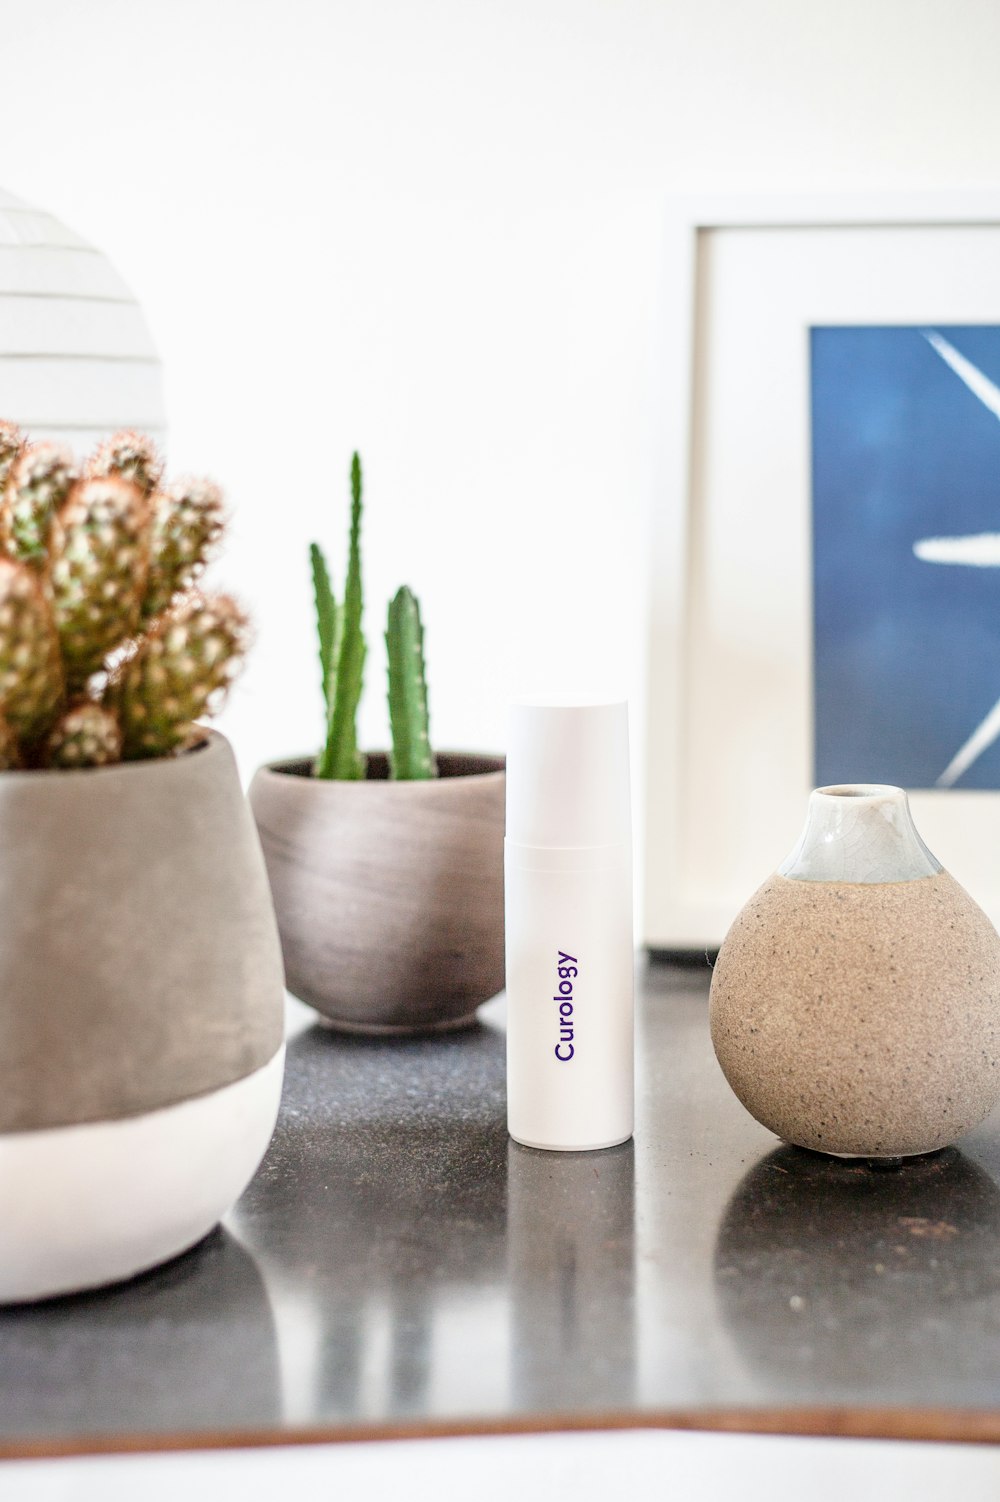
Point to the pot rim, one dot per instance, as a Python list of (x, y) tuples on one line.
[(209, 740), (285, 767)]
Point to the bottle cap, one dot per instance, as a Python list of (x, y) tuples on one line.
[(568, 773)]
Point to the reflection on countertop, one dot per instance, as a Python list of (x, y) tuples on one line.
[(379, 1218), (845, 1278), (571, 1277), (189, 1345), (419, 1261), (398, 1260)]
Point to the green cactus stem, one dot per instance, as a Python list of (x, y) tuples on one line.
[(188, 519), (85, 735), (11, 444), (411, 758), (340, 757), (38, 483), (182, 669), (31, 678), (329, 623), (131, 455), (98, 571)]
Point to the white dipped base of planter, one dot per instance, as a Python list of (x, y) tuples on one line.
[(91, 1204)]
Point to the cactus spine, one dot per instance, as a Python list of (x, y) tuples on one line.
[(344, 671), (411, 758), (85, 735), (105, 650), (130, 455)]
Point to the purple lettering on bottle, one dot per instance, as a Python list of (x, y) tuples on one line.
[(568, 970)]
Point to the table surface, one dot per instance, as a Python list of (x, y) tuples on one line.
[(399, 1266)]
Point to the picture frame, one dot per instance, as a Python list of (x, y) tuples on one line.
[(730, 706)]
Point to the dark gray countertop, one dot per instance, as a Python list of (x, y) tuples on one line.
[(398, 1263)]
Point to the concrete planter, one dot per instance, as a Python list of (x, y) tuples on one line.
[(389, 895), (141, 1025)]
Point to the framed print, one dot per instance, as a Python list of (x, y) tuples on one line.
[(826, 545)]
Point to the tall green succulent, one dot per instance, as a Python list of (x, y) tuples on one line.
[(411, 758), (342, 652), (105, 650)]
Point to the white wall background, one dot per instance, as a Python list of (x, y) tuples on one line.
[(431, 229)]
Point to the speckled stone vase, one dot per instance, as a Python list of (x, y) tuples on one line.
[(855, 1005)]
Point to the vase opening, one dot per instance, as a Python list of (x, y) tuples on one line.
[(859, 832), (860, 790)]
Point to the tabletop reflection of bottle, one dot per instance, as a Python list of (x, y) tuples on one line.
[(571, 1249), (380, 1225)]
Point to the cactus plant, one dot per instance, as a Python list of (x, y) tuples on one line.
[(131, 455), (342, 651), (10, 753), (85, 735), (31, 676), (411, 758), (11, 444), (106, 652), (176, 671), (188, 521), (100, 559), (38, 483)]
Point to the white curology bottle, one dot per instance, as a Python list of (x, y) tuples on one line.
[(569, 926)]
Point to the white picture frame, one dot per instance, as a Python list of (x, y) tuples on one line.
[(728, 728)]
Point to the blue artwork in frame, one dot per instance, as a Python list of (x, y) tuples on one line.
[(906, 555)]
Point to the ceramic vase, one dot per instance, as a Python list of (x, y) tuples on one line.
[(855, 1003), (389, 895), (141, 1015)]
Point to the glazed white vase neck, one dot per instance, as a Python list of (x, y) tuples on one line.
[(859, 832)]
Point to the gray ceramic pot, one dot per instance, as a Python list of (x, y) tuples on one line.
[(141, 1022), (389, 895)]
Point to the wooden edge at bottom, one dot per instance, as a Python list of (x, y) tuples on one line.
[(941, 1425)]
